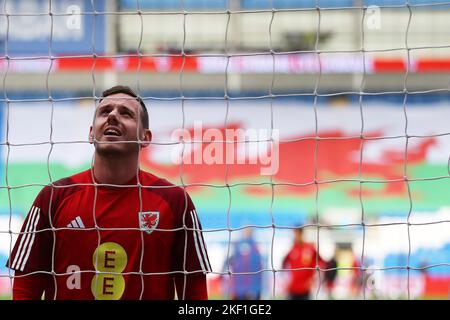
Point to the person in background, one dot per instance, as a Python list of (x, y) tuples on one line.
[(301, 262), (356, 278), (331, 274), (246, 258)]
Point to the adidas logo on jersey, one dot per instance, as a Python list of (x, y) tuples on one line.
[(76, 223)]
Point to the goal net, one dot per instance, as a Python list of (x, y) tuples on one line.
[(325, 116)]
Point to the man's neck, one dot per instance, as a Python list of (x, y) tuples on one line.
[(114, 170)]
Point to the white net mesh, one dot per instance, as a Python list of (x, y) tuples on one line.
[(271, 115)]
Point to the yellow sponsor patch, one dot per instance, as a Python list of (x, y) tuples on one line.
[(109, 258)]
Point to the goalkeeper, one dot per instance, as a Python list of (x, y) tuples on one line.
[(113, 231)]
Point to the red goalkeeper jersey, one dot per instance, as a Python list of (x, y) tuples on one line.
[(121, 242)]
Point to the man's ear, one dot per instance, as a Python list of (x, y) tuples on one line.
[(147, 138), (91, 135)]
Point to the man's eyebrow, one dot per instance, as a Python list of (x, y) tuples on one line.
[(123, 106), (127, 108), (103, 106)]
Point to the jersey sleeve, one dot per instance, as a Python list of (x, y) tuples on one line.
[(33, 248), (190, 254), (29, 287)]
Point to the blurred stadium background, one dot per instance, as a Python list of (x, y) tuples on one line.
[(370, 78)]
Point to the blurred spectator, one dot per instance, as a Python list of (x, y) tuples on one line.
[(301, 261), (246, 258)]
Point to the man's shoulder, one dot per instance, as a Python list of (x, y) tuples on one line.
[(80, 178), (157, 183), (57, 190)]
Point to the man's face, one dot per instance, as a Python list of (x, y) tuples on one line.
[(117, 118), (298, 233)]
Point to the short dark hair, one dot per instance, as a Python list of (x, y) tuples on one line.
[(127, 90)]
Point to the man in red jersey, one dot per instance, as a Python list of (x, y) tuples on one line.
[(301, 261), (113, 231)]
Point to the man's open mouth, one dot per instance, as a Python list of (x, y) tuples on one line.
[(112, 132)]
